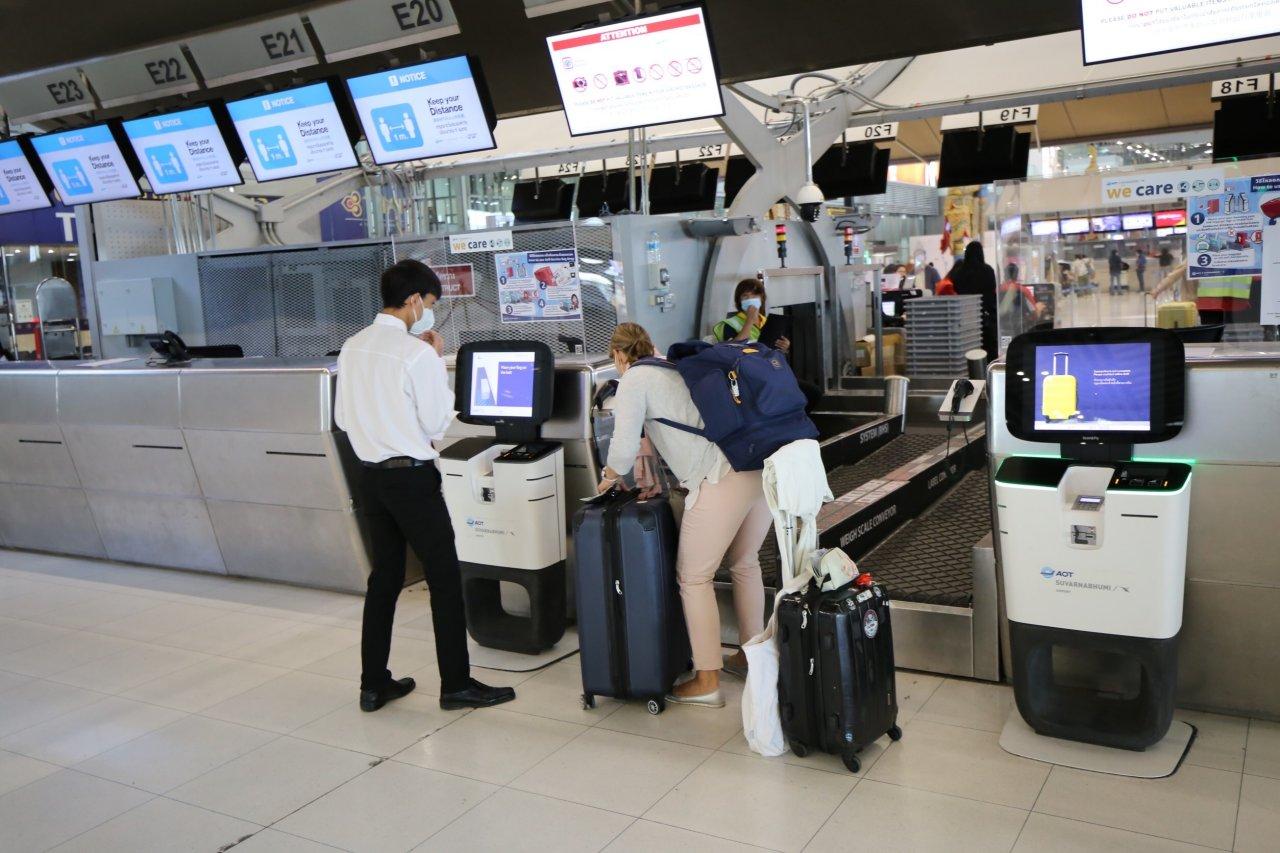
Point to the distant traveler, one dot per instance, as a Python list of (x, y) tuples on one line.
[(977, 277), (1082, 272), (393, 401), (1115, 266), (1141, 268), (1166, 261), (726, 516), (931, 277)]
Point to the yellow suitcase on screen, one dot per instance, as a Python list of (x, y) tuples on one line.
[(1177, 315), (1058, 396)]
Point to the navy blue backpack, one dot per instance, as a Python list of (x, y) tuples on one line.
[(747, 395)]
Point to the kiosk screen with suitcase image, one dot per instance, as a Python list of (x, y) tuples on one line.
[(1093, 547), (506, 495)]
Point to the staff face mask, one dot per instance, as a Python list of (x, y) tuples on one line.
[(424, 322), (752, 302)]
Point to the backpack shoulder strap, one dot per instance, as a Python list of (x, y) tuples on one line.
[(682, 427), (653, 361)]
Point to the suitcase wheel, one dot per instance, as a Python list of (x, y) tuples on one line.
[(588, 701), (799, 749), (851, 761), (895, 733), (656, 706)]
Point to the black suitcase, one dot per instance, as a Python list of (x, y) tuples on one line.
[(631, 630), (843, 697)]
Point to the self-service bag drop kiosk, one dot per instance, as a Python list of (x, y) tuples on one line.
[(506, 494), (1093, 544)]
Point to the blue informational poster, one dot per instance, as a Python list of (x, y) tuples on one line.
[(539, 286), (182, 151), (1225, 229), (427, 110), (86, 165), (19, 189), (1093, 387), (294, 132)]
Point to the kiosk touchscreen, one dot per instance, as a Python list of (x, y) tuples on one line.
[(505, 495), (1093, 543)]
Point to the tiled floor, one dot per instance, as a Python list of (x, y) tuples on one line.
[(150, 710)]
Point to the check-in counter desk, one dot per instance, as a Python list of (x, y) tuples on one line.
[(1231, 624), (227, 466)]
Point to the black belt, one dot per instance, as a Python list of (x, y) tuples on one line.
[(397, 462)]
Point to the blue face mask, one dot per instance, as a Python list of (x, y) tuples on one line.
[(423, 323), (752, 302)]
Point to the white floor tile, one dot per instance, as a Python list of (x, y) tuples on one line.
[(274, 841), (645, 836), (88, 731), (1196, 804), (272, 781), (18, 770), (1047, 834), (176, 754), (393, 807), (1262, 752), (962, 762), (135, 664), (971, 704), (407, 656), (204, 684), (1220, 740), (16, 634), (774, 805), (61, 654), (297, 646), (99, 609), (389, 730), (914, 689), (556, 693), (35, 604), (516, 820), (39, 701), (58, 807), (816, 759), (885, 818), (612, 770), (161, 826), (158, 621), (12, 679), (711, 728), (1258, 824), (226, 631), (492, 745), (287, 703)]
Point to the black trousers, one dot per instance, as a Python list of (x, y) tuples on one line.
[(405, 505)]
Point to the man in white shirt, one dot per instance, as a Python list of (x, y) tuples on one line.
[(393, 401)]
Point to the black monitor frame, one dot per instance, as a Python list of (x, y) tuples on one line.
[(513, 430), (346, 115), (226, 130), (115, 127), (1168, 389)]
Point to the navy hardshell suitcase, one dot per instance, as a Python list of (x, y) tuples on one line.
[(847, 685), (631, 630), (796, 662)]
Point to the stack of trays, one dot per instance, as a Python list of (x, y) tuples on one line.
[(939, 332)]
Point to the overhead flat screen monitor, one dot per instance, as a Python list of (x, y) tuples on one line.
[(1137, 221), (504, 382), (644, 71), (1123, 29), (87, 165), (1105, 224), (1245, 127), (427, 110), (1170, 218), (183, 151), (20, 184), (980, 156), (293, 132), (1044, 228), (1114, 385), (1078, 225)]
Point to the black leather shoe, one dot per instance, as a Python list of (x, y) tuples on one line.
[(372, 700), (476, 696)]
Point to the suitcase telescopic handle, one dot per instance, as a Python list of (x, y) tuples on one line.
[(1065, 367)]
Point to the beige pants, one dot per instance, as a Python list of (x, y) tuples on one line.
[(727, 523)]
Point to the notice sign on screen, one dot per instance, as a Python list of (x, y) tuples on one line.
[(650, 70), (426, 110), (182, 151), (502, 384), (1123, 29), (19, 189), (294, 132), (1093, 388), (86, 165)]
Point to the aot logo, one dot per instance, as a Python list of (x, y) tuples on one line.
[(1045, 573), (474, 522), (1049, 572)]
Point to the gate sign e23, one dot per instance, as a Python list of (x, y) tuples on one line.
[(294, 132), (86, 165)]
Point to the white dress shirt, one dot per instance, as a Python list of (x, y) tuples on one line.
[(393, 394)]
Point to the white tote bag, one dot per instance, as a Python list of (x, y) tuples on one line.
[(761, 720)]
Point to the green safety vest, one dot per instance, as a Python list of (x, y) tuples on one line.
[(1225, 287), (729, 327)]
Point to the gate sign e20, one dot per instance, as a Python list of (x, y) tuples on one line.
[(359, 27), (86, 165)]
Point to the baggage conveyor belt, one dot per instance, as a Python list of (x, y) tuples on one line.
[(930, 560), (844, 479)]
